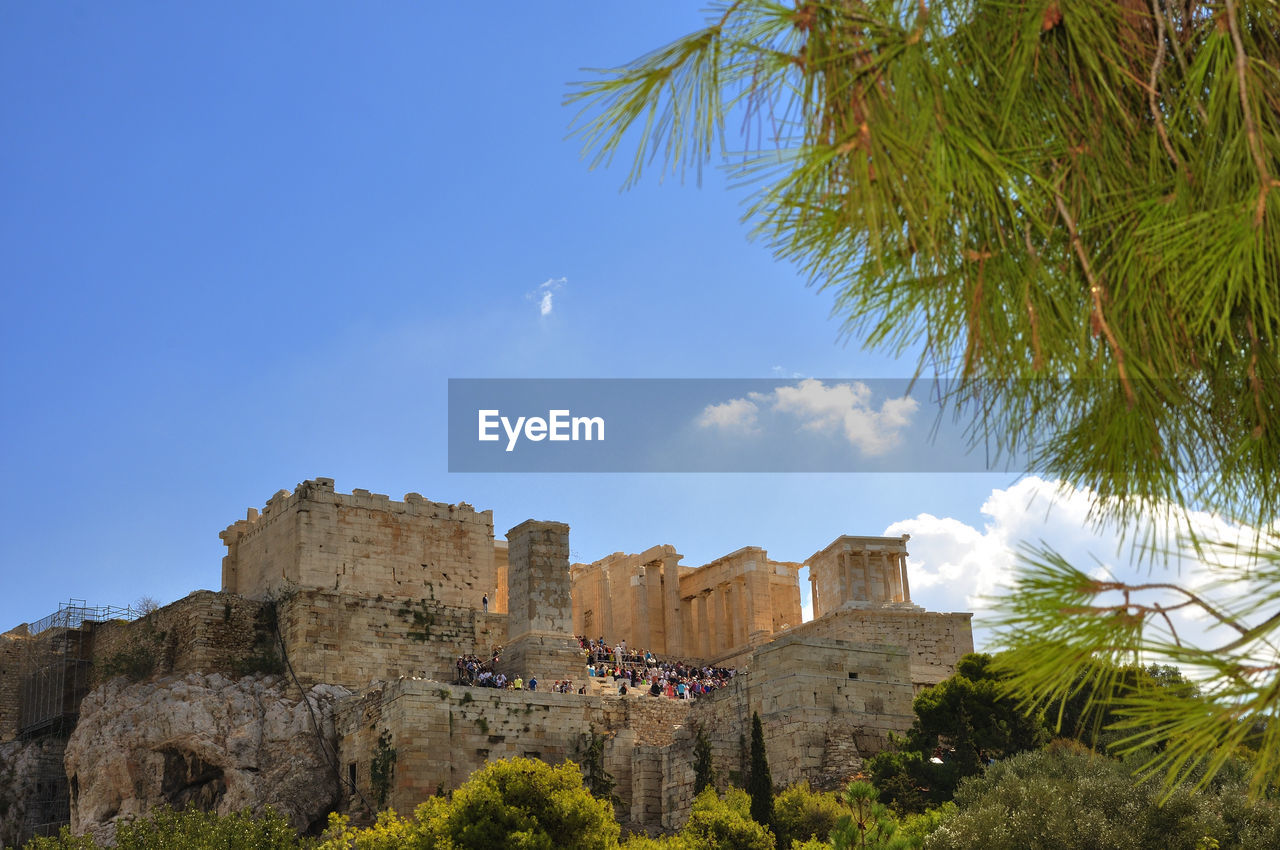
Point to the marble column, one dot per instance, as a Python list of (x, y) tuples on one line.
[(673, 613), (866, 576)]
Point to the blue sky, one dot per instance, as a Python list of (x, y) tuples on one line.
[(243, 245)]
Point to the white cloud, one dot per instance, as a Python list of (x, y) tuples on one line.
[(844, 409), (954, 565), (736, 415), (545, 294)]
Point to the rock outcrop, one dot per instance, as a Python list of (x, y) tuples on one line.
[(219, 743), (33, 789)]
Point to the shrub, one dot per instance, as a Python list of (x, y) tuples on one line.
[(800, 814), (724, 824), (1066, 797)]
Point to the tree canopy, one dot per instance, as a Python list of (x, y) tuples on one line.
[(1067, 207)]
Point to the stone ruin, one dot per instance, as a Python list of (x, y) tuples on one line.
[(371, 601)]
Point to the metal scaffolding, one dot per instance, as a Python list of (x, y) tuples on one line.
[(54, 677), (56, 665), (48, 795)]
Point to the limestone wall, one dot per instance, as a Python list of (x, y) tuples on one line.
[(818, 720), (352, 640), (362, 543), (442, 733), (11, 650), (933, 641), (205, 632)]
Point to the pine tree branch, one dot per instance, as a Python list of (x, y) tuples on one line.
[(1250, 129), (1096, 292), (1153, 100)]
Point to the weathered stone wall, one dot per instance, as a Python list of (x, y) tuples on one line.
[(315, 538), (818, 721), (933, 641), (442, 733), (12, 646), (205, 632), (352, 640)]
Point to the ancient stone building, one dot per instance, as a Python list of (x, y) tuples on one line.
[(380, 597), (715, 613), (363, 543)]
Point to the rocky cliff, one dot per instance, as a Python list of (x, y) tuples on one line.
[(217, 742)]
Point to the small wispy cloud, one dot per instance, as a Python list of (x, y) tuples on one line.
[(545, 294), (844, 409)]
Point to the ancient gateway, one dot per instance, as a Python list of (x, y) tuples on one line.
[(370, 602)]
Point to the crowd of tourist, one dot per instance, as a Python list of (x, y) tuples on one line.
[(628, 669), (631, 669)]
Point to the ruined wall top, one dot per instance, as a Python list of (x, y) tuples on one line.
[(364, 543), (322, 489)]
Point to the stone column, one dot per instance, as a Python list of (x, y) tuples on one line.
[(736, 618), (540, 639), (814, 597), (906, 586), (653, 583), (725, 611), (759, 602), (715, 614), (640, 638), (866, 575), (703, 626), (688, 633), (673, 610), (891, 574)]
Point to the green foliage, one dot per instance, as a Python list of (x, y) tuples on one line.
[(968, 719), (704, 772), (869, 825), (389, 832), (1070, 207), (666, 842), (190, 830), (1068, 631), (524, 803), (800, 814), (759, 782), (917, 827), (921, 162), (971, 712), (1066, 797), (724, 824), (517, 803), (382, 768), (910, 782), (64, 840)]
